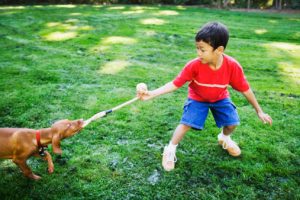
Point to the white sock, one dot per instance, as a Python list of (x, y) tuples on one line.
[(172, 146), (224, 136)]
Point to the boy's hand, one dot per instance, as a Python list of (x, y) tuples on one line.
[(143, 94), (142, 91), (265, 118)]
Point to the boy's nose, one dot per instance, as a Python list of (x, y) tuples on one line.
[(199, 53)]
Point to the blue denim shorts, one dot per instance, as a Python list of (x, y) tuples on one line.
[(195, 113)]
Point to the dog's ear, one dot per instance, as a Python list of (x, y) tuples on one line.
[(56, 144)]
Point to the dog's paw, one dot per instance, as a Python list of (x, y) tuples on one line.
[(34, 177), (50, 170)]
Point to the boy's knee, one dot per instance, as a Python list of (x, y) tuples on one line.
[(230, 128), (184, 127)]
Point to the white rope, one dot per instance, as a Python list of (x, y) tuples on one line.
[(103, 113)]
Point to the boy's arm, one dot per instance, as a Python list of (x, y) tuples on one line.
[(252, 100), (146, 95)]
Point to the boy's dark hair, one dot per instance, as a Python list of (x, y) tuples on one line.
[(213, 33)]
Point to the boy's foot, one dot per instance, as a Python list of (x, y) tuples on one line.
[(169, 159), (229, 145)]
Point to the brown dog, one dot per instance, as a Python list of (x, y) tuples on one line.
[(19, 144)]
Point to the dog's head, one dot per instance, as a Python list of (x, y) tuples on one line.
[(63, 129)]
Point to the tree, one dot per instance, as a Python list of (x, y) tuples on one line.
[(248, 4), (278, 4)]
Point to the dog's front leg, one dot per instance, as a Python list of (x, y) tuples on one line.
[(47, 158)]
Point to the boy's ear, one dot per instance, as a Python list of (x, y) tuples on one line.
[(220, 49)]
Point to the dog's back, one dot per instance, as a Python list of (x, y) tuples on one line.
[(8, 138)]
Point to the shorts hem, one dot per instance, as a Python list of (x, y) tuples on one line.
[(228, 124), (191, 125)]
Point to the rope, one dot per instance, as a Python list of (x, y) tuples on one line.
[(104, 113)]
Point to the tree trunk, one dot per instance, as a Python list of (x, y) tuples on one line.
[(225, 3), (279, 5), (248, 4), (219, 2)]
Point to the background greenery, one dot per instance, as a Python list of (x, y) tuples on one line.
[(70, 61), (261, 4)]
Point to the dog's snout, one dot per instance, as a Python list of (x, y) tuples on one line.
[(80, 122)]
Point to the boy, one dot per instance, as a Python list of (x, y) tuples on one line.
[(209, 75)]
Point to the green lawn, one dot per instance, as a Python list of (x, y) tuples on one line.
[(71, 62)]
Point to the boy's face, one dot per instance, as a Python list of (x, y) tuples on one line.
[(206, 53)]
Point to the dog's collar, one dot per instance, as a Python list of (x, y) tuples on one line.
[(38, 138), (40, 146)]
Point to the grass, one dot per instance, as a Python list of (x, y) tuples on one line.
[(73, 61)]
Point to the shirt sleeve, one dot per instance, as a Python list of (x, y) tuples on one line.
[(238, 79), (184, 76)]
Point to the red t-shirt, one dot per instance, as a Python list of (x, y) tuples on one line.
[(207, 85)]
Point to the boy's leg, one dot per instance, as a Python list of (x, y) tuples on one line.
[(179, 133), (226, 116), (227, 143), (169, 155), (194, 116), (227, 130)]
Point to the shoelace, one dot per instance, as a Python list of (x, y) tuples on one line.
[(171, 156), (228, 143)]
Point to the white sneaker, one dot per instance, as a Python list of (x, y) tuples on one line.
[(168, 159), (229, 145)]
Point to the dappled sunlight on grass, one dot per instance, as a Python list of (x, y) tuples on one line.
[(167, 13), (100, 48), (289, 53), (292, 70), (143, 8), (133, 12), (114, 67), (150, 33), (72, 20), (91, 101), (13, 7), (285, 46), (52, 24), (153, 21), (273, 21), (260, 31), (75, 14), (118, 40), (60, 36), (85, 28), (181, 8), (106, 43), (68, 27), (9, 12), (65, 6), (294, 19), (116, 8)]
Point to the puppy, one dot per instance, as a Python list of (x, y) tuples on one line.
[(19, 144)]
